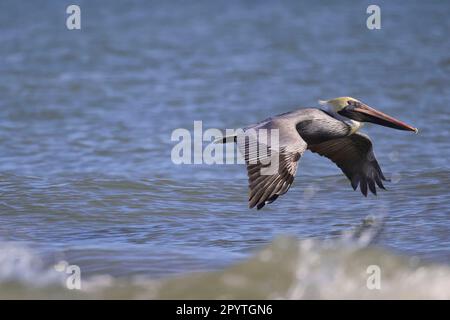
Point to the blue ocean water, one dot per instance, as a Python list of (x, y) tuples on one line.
[(86, 118)]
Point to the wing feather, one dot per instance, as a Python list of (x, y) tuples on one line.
[(355, 157), (265, 187)]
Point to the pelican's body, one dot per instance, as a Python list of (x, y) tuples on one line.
[(331, 131)]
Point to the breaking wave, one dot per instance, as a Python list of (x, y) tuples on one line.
[(287, 268)]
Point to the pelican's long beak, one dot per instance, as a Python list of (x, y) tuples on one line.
[(368, 114)]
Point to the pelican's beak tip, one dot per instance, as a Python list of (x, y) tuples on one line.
[(416, 130)]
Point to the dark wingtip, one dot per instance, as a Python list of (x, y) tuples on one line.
[(379, 182), (363, 191), (363, 187), (354, 182), (260, 205), (372, 187), (272, 198)]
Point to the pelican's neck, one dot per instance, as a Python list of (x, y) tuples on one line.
[(353, 124)]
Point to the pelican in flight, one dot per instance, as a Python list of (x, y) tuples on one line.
[(331, 131)]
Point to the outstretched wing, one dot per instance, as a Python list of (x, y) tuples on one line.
[(354, 155), (271, 165)]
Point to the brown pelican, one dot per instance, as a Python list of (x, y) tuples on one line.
[(330, 131)]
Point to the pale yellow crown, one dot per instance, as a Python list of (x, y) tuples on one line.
[(338, 103)]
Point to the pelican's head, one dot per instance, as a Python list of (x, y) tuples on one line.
[(356, 110), (337, 104)]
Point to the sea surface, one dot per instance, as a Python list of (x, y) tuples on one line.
[(86, 175)]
